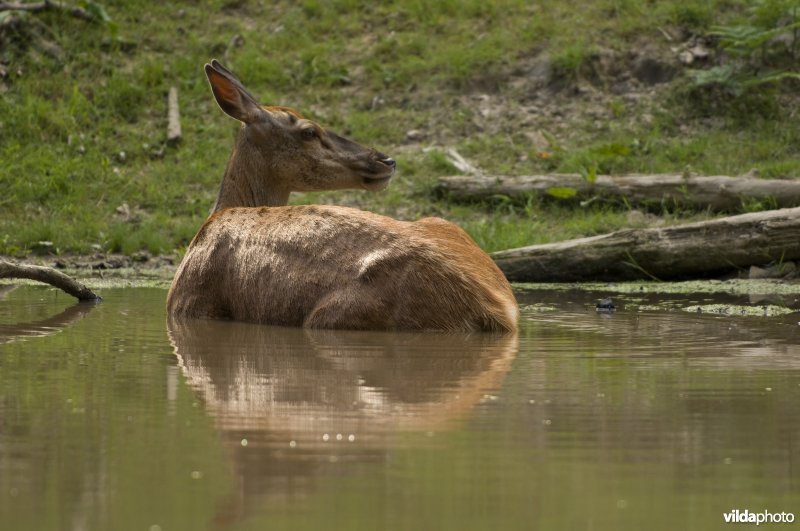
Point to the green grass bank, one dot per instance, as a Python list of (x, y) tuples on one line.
[(516, 87)]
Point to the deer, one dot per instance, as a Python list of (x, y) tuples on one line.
[(258, 259)]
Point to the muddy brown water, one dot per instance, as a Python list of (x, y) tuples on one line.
[(113, 417)]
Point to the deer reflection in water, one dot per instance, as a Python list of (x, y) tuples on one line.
[(297, 404)]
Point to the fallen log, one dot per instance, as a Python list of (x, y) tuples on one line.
[(692, 250), (718, 193), (47, 275)]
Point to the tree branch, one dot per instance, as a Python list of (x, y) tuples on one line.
[(47, 5), (47, 275)]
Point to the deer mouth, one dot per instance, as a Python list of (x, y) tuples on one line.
[(385, 167), (376, 184)]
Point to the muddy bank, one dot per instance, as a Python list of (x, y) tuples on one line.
[(101, 271), (115, 271)]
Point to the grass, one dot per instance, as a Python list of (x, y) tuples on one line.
[(82, 135)]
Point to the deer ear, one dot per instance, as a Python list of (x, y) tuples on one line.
[(231, 96)]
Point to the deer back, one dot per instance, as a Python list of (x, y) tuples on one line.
[(338, 267)]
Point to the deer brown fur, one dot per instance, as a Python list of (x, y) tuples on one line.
[(256, 259)]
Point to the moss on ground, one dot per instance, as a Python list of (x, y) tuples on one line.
[(733, 287)]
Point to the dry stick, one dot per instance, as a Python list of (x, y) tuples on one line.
[(173, 117), (47, 275), (47, 6)]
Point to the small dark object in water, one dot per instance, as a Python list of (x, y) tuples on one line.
[(606, 306)]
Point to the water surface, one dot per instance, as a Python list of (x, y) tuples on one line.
[(113, 417)]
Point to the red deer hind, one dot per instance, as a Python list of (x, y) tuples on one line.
[(256, 259)]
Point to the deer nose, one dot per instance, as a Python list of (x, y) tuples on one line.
[(388, 161)]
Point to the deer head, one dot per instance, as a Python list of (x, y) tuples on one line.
[(278, 151)]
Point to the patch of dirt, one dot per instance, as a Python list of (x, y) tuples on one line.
[(538, 95), (611, 88)]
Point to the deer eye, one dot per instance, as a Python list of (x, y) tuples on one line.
[(309, 133)]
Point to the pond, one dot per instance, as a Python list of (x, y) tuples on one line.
[(650, 417)]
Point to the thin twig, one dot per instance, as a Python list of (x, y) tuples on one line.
[(47, 275), (665, 33)]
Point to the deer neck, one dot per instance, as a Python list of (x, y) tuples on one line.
[(250, 179)]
